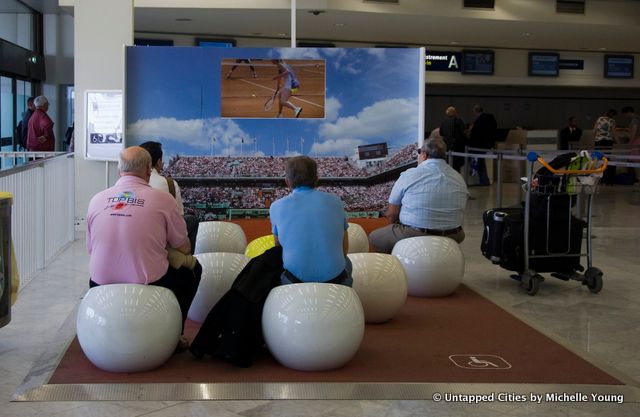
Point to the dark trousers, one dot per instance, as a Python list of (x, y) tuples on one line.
[(192, 229), (182, 282)]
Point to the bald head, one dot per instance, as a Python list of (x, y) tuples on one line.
[(135, 161)]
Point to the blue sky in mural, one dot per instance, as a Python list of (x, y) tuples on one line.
[(172, 96)]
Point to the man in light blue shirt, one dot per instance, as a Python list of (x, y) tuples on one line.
[(311, 226), (427, 200)]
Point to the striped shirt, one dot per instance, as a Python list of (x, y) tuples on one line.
[(432, 196)]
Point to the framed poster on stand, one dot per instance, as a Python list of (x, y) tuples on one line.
[(104, 121)]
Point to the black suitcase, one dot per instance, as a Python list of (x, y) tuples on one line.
[(492, 235), (503, 241)]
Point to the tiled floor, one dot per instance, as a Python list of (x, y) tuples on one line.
[(605, 327)]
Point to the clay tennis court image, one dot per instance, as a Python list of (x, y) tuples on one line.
[(278, 88)]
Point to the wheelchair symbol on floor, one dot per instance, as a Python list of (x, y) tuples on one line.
[(479, 361)]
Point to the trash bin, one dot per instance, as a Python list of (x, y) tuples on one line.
[(6, 200)]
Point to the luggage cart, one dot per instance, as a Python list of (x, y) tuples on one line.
[(572, 186)]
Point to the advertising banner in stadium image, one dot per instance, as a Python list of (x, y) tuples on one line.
[(239, 112)]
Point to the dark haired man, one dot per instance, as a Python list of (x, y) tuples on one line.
[(428, 200), (570, 134), (169, 185), (311, 226), (483, 135), (24, 131)]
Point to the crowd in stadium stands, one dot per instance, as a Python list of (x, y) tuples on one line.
[(268, 166), (355, 197)]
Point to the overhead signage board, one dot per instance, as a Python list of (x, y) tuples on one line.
[(448, 61)]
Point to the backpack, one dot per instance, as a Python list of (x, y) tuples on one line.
[(171, 185)]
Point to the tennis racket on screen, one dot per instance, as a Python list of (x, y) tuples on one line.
[(269, 103)]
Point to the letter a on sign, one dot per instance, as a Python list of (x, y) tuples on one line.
[(453, 62)]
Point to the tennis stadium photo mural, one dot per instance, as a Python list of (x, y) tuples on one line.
[(227, 116)]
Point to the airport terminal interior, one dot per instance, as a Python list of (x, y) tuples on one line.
[(562, 350)]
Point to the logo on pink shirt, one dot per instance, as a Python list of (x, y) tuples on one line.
[(124, 199)]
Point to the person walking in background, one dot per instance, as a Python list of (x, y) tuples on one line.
[(603, 129), (634, 136), (286, 84), (428, 200), (24, 130), (571, 134), (452, 131), (483, 135), (603, 136), (40, 137)]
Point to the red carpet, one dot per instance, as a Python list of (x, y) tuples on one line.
[(414, 347)]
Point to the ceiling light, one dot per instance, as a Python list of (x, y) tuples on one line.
[(183, 19), (339, 25), (602, 49), (453, 43), (526, 34)]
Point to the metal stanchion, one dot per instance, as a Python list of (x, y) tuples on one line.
[(520, 173), (466, 165), (499, 181)]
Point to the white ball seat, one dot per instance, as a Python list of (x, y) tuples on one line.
[(381, 284), (129, 327), (358, 240), (219, 270), (434, 265), (313, 326), (216, 236)]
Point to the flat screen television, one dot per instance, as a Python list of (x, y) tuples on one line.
[(477, 62), (544, 64), (618, 66), (215, 43)]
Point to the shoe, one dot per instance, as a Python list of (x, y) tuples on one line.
[(279, 116), (196, 353), (255, 75), (183, 344), (229, 74), (297, 112)]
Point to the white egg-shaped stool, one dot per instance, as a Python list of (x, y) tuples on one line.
[(219, 270), (128, 327), (434, 265), (217, 236), (313, 326), (358, 240), (381, 284)]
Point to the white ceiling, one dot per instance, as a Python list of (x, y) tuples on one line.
[(607, 25)]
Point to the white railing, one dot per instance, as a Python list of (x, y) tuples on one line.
[(42, 215)]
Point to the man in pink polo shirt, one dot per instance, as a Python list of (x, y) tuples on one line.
[(129, 228)]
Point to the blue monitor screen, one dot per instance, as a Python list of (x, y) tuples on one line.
[(544, 64), (477, 62), (216, 43), (618, 66)]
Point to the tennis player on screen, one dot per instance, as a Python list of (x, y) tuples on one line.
[(286, 84)]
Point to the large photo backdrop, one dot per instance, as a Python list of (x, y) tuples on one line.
[(174, 95)]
